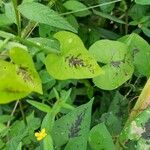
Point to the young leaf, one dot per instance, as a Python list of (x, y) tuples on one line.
[(73, 128), (43, 14), (74, 61), (100, 138), (118, 66), (40, 106)]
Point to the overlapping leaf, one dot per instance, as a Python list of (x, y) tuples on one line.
[(118, 66), (74, 61), (19, 77), (140, 51)]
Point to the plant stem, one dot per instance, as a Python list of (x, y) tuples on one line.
[(28, 29), (13, 111), (91, 7), (22, 112), (142, 103), (17, 14), (126, 20)]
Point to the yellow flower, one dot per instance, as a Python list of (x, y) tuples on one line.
[(40, 135)]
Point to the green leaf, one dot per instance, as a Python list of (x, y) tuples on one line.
[(43, 14), (21, 132), (46, 43), (74, 5), (40, 106), (48, 143), (27, 68), (100, 138), (74, 61), (10, 12), (110, 17), (73, 21), (73, 128), (140, 50), (143, 2), (138, 11), (2, 144), (6, 118), (2, 127), (118, 66), (11, 89), (146, 31), (108, 34), (19, 77), (4, 20), (19, 147), (45, 77), (106, 8)]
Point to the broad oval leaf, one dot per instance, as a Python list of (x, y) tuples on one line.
[(118, 66), (105, 51), (19, 78), (74, 61), (43, 14), (140, 51)]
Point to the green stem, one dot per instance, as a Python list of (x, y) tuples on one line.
[(91, 7), (17, 14), (142, 103), (13, 111), (22, 112), (28, 29)]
